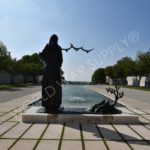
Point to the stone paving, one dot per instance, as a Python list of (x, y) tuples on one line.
[(132, 97), (16, 135)]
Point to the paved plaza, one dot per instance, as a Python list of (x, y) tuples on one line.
[(16, 135)]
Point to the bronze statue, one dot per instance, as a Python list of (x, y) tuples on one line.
[(51, 84)]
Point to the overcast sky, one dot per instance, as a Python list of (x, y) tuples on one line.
[(114, 28)]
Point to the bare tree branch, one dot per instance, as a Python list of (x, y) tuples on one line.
[(77, 48), (116, 93)]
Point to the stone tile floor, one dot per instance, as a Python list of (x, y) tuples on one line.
[(16, 135)]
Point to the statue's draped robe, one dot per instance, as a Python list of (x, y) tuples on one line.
[(51, 84)]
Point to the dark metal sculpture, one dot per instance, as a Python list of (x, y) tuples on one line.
[(51, 83), (77, 48), (105, 107), (116, 93)]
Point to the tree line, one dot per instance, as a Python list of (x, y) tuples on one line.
[(138, 67), (28, 65)]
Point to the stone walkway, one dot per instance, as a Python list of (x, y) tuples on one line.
[(13, 93), (132, 97), (16, 135)]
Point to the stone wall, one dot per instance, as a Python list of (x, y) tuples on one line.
[(111, 81), (5, 78), (19, 79), (133, 81), (39, 79)]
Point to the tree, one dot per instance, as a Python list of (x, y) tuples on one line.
[(35, 70), (7, 63), (3, 50), (13, 69), (123, 68), (126, 67), (99, 76), (35, 58), (25, 70), (110, 72), (129, 67), (143, 64), (113, 73), (5, 57), (31, 66)]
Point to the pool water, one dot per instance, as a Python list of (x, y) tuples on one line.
[(79, 95)]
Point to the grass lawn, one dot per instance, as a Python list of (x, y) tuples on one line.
[(8, 86), (137, 88)]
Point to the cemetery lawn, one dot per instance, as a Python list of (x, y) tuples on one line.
[(8, 86), (136, 87)]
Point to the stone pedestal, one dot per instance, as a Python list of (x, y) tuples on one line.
[(71, 114)]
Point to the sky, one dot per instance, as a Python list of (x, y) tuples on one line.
[(114, 28)]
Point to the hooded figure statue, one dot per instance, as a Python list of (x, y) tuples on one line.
[(51, 84)]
